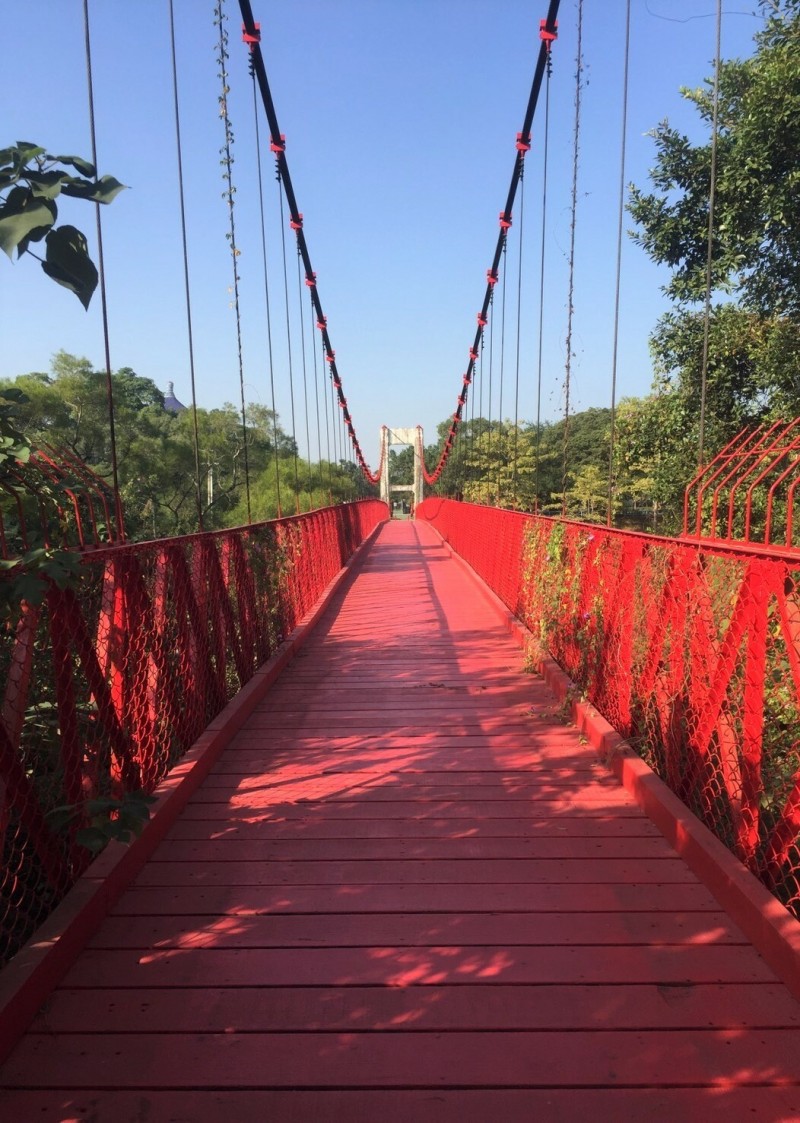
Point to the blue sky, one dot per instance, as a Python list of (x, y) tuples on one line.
[(401, 118)]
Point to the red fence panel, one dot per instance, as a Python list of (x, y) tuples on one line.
[(690, 648), (109, 682)]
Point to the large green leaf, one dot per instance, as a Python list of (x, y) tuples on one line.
[(103, 190), (69, 264), (45, 185), (77, 162), (27, 150), (24, 218)]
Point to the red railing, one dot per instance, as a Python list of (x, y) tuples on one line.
[(690, 649), (109, 681)]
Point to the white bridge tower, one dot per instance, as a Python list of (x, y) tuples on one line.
[(411, 437)]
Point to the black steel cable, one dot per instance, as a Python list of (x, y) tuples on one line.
[(289, 345), (112, 433), (305, 374), (184, 242), (541, 283), (712, 190), (573, 220), (620, 217), (276, 455), (519, 325), (227, 162)]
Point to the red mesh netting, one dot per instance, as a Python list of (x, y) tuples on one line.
[(690, 650), (109, 681)]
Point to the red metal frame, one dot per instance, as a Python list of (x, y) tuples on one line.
[(109, 683), (755, 460), (689, 647)]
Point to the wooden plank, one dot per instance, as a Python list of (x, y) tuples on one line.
[(429, 966), (546, 871), (570, 802), (405, 849), (413, 1009), (442, 1105), (417, 930), (321, 826), (247, 900), (397, 1060)]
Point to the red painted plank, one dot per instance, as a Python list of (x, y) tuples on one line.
[(430, 966), (417, 930), (601, 1105), (570, 803), (716, 1058), (345, 849), (415, 1009), (546, 871), (321, 826), (247, 900)]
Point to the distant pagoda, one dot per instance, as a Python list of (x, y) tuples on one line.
[(171, 403)]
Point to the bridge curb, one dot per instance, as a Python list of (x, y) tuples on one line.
[(770, 927), (27, 981)]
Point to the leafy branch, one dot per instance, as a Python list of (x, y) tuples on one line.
[(120, 819), (31, 180)]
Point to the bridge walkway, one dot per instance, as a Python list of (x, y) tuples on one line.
[(409, 892)]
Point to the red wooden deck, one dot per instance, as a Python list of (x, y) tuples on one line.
[(409, 892)]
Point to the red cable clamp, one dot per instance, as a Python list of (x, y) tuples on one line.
[(312, 281), (278, 146), (296, 223), (251, 38), (482, 320), (323, 323), (523, 145), (505, 220), (545, 34), (473, 354), (491, 277), (466, 380), (330, 356)]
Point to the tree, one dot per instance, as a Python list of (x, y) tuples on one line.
[(756, 243), (753, 368)]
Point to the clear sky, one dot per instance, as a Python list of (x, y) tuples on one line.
[(401, 118)]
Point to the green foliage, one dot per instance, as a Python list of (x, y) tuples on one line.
[(30, 182), (756, 247), (68, 409), (101, 820)]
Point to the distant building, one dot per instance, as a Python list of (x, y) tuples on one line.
[(171, 403)]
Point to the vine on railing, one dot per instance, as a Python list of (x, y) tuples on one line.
[(111, 678), (690, 649)]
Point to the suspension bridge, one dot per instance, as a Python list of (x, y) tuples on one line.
[(482, 814)]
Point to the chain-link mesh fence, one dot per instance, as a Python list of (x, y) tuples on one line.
[(689, 649), (112, 677)]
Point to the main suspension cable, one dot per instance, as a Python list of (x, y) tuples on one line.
[(252, 37), (547, 34)]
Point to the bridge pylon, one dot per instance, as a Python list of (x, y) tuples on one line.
[(397, 436)]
